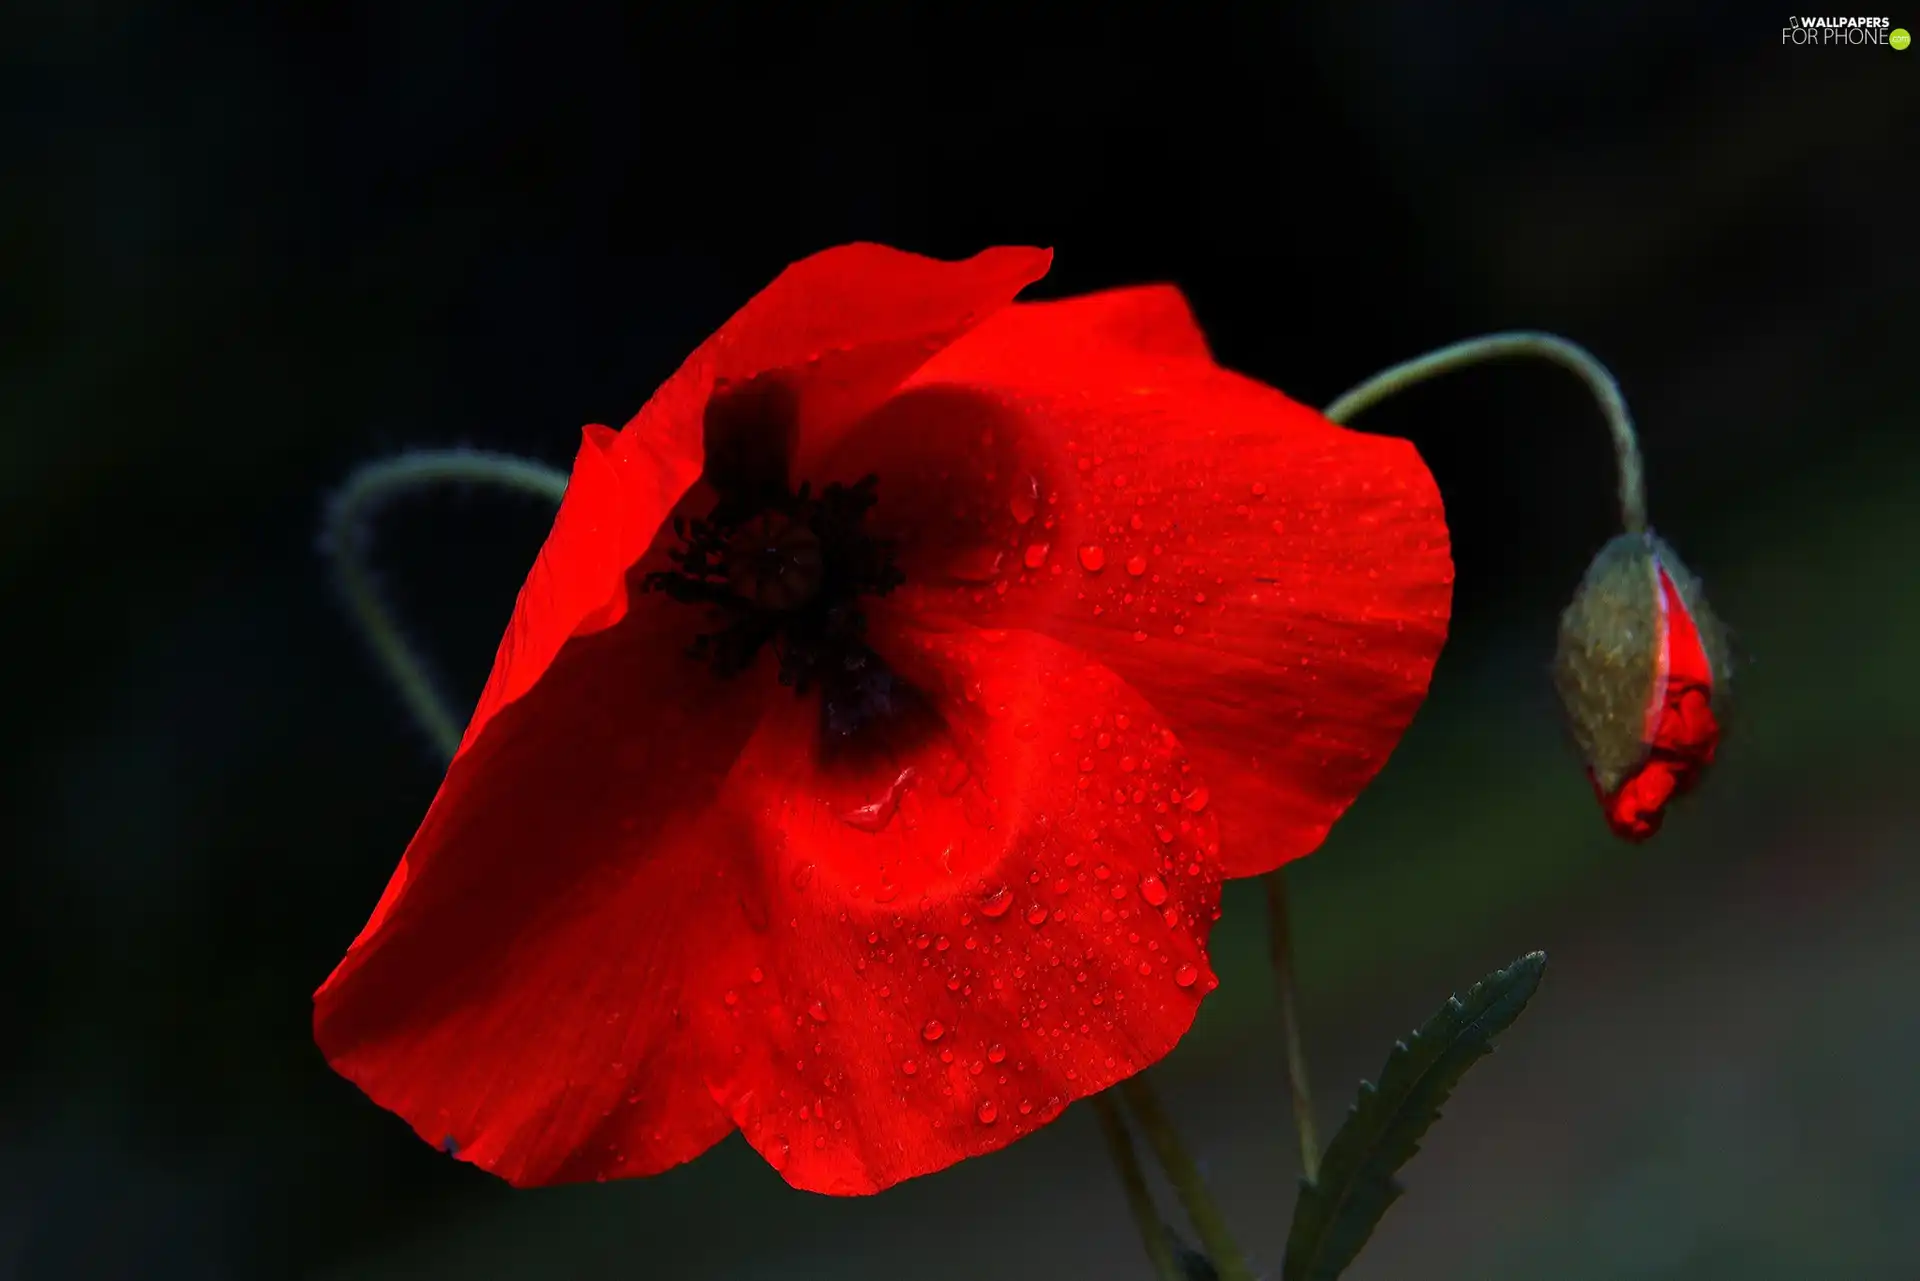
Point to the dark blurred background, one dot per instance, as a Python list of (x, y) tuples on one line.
[(243, 248)]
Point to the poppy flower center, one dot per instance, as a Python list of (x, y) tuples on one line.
[(784, 568)]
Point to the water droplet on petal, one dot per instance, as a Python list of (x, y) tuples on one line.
[(1037, 915), (1136, 565), (1093, 558), (934, 1030), (996, 1053), (1024, 500), (817, 1012), (1036, 555), (756, 975), (987, 1113), (1196, 799), (996, 903), (875, 816), (953, 776), (778, 1151), (1186, 975), (1153, 889), (909, 1067)]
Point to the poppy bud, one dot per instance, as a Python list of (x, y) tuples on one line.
[(1641, 667)]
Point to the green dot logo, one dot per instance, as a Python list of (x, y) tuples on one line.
[(1899, 38)]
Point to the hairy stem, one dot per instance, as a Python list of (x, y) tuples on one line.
[(1280, 945), (1568, 355), (346, 538), (1198, 1202), (1153, 1232)]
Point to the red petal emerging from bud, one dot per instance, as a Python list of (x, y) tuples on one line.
[(1641, 668), (1681, 730)]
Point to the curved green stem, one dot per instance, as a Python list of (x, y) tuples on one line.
[(1568, 355), (1198, 1202), (1153, 1233), (1633, 515), (346, 535), (1280, 945)]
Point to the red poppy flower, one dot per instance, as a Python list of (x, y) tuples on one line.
[(872, 734), (1641, 661)]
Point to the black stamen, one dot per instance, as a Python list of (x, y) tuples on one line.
[(785, 568), (790, 573)]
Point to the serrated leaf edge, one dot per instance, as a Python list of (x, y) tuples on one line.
[(1522, 977)]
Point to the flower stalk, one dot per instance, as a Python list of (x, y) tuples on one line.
[(1280, 945), (1126, 1162), (346, 539), (1181, 1171), (1504, 346)]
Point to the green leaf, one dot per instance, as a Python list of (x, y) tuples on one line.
[(1335, 1215)]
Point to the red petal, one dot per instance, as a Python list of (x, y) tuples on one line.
[(533, 983), (845, 326), (1278, 587), (1001, 912), (1685, 735)]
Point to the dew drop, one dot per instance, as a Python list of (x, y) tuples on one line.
[(953, 776), (996, 903), (1136, 565), (909, 1067), (1093, 558), (1036, 915), (987, 1113), (1186, 975), (817, 1012), (1022, 502), (934, 1030), (733, 997), (874, 817), (1153, 889), (996, 1053), (1196, 800), (756, 975), (1036, 555)]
